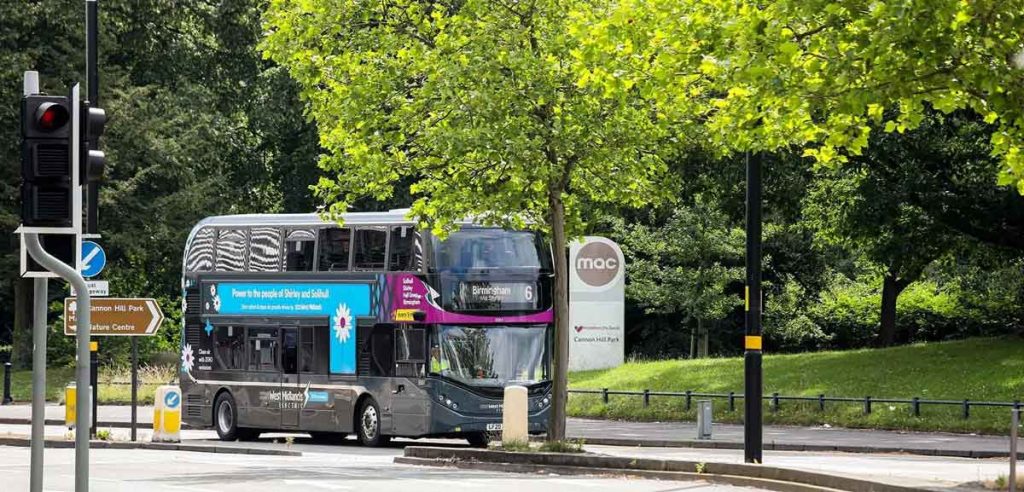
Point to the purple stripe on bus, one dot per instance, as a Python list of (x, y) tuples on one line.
[(409, 293)]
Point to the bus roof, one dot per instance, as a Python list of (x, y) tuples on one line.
[(391, 217)]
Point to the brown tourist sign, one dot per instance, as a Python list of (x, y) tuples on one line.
[(116, 316)]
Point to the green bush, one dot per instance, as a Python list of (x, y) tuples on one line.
[(849, 313)]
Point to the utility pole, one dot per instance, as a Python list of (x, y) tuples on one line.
[(752, 375)]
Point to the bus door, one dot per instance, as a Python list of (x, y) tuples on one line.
[(410, 401), (291, 390)]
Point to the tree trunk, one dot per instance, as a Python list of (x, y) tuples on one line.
[(21, 339), (693, 343), (891, 289), (556, 428), (702, 345)]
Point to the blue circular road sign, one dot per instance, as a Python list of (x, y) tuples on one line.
[(93, 259), (171, 400)]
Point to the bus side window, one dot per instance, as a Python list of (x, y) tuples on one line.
[(334, 249), (314, 349), (299, 251), (368, 249), (410, 351), (229, 347), (406, 250), (262, 349)]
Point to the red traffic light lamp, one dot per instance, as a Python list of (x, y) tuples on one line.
[(51, 116)]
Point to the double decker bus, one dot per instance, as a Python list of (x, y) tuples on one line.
[(375, 328)]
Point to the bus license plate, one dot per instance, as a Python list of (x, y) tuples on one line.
[(494, 427)]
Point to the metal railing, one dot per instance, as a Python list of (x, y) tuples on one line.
[(775, 400)]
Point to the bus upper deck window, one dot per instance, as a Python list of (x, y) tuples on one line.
[(200, 252), (264, 249), (368, 250), (231, 250), (299, 251), (335, 244), (405, 250)]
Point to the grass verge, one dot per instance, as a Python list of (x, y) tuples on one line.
[(114, 388), (980, 369)]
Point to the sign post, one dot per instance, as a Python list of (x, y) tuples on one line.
[(116, 316)]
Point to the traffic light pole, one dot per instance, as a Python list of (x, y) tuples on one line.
[(83, 313), (38, 383), (752, 375), (92, 189), (38, 353)]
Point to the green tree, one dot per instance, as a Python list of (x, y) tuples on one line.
[(477, 105), (854, 208), (911, 198), (748, 75), (684, 267)]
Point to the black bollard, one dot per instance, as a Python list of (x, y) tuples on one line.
[(7, 384)]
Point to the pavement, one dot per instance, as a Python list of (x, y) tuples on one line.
[(791, 438), (682, 434), (114, 470), (920, 472)]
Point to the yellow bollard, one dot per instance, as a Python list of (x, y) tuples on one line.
[(167, 414), (70, 416)]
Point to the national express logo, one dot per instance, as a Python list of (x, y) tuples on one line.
[(597, 264)]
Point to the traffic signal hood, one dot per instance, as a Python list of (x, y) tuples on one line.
[(47, 173), (94, 120)]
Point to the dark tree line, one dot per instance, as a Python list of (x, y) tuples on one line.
[(199, 125)]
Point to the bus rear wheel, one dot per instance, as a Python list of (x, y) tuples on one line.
[(478, 439), (225, 420), (368, 425)]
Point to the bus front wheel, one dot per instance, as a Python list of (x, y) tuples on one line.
[(478, 439), (368, 425), (225, 420)]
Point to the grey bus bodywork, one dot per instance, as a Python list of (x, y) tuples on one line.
[(293, 371)]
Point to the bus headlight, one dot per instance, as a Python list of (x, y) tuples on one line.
[(448, 401), (440, 398), (455, 406)]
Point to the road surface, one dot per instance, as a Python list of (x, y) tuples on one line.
[(344, 468)]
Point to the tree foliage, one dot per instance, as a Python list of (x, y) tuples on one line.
[(476, 101), (477, 105), (686, 265), (760, 76)]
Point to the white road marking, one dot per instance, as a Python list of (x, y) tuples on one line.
[(318, 484)]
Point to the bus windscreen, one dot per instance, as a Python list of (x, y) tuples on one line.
[(473, 248), (492, 356)]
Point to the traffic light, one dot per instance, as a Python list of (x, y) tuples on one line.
[(47, 189), (92, 159)]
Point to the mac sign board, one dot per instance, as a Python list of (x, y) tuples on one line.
[(597, 292)]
